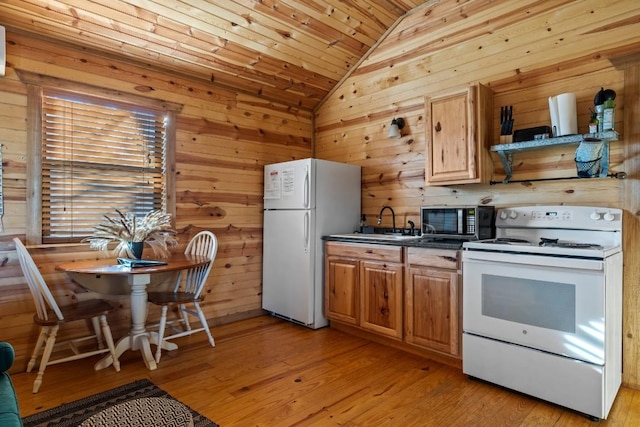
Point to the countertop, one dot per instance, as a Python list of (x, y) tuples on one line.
[(423, 242)]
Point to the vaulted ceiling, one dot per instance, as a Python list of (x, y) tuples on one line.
[(291, 51)]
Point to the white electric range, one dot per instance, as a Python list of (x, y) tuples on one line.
[(542, 305)]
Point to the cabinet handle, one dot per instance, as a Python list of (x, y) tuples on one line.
[(438, 127)]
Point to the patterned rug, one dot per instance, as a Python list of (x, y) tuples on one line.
[(73, 413)]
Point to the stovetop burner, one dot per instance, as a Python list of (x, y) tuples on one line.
[(544, 242), (555, 243), (510, 240), (559, 231)]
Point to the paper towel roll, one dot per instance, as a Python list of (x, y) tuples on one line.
[(564, 117)]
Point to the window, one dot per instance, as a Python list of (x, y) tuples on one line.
[(93, 154), (97, 157)]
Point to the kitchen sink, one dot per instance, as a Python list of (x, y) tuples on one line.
[(379, 237)]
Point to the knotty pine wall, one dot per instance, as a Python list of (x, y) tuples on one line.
[(525, 51), (224, 139)]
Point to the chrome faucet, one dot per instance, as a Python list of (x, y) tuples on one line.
[(393, 217)]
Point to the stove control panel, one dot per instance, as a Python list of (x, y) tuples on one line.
[(569, 217), (552, 215)]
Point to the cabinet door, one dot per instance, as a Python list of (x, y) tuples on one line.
[(432, 309), (381, 307), (457, 138), (341, 290)]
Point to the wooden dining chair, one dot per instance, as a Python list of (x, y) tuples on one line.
[(187, 293), (50, 316)]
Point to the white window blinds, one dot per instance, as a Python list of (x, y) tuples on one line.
[(98, 156)]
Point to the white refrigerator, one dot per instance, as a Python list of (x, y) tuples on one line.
[(303, 201)]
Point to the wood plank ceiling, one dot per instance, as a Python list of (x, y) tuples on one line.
[(291, 51)]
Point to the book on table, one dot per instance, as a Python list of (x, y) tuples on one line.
[(137, 263)]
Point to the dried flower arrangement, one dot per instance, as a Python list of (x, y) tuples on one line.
[(154, 229)]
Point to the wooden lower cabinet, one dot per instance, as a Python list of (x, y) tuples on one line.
[(381, 297), (433, 300), (412, 295), (363, 286), (342, 295), (431, 309)]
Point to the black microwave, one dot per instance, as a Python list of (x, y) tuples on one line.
[(458, 222)]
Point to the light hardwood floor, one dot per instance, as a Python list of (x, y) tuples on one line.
[(267, 372)]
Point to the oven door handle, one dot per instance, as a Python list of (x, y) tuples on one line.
[(534, 260)]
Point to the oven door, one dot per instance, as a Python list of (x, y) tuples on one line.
[(548, 303)]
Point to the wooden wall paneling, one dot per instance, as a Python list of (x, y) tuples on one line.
[(485, 57), (392, 149), (236, 272), (588, 192), (408, 163), (367, 143), (214, 216), (219, 151), (249, 145), (406, 176), (12, 113), (221, 180), (631, 204), (13, 130)]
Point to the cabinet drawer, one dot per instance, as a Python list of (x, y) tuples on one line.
[(442, 258), (364, 251)]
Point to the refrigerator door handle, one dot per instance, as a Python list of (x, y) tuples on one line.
[(306, 231), (306, 188)]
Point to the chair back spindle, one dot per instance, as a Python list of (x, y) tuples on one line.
[(40, 292), (204, 244)]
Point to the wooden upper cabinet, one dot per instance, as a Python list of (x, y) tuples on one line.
[(458, 137)]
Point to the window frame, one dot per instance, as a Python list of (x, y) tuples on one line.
[(35, 86)]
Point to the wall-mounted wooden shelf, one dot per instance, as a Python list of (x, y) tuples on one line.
[(506, 151)]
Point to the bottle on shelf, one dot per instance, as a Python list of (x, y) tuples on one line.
[(607, 115), (593, 124)]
